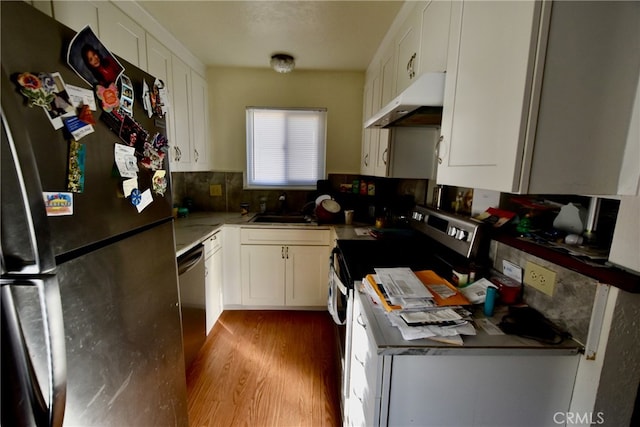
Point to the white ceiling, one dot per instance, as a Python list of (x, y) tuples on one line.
[(320, 35)]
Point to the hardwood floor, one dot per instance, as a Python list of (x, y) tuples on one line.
[(266, 368)]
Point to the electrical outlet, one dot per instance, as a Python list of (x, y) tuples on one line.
[(540, 278), (215, 190)]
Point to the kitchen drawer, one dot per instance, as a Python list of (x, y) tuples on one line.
[(282, 236), (365, 393)]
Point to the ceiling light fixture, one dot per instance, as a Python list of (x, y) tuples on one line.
[(282, 63)]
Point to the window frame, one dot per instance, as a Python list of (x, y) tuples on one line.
[(249, 183)]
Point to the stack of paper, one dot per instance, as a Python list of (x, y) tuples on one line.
[(420, 304)]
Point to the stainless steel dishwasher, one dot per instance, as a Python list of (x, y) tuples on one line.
[(191, 275)]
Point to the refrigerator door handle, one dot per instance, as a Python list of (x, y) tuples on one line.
[(51, 412), (30, 195)]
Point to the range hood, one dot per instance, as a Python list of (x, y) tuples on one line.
[(418, 105)]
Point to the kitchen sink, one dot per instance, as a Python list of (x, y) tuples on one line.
[(282, 219)]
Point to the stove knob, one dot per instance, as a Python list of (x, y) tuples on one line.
[(452, 231), (462, 235)]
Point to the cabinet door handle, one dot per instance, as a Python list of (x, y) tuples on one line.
[(384, 155), (196, 155), (410, 66), (437, 153), (355, 356), (178, 153), (366, 159), (355, 393), (360, 321), (282, 252)]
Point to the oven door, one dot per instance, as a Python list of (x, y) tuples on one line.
[(340, 305)]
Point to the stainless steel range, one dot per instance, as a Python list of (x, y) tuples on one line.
[(436, 240)]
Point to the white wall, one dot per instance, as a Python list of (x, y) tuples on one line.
[(231, 90)]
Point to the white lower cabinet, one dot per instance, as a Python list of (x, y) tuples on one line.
[(494, 387), (284, 267), (213, 278), (365, 375)]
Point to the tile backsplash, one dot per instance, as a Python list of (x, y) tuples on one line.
[(397, 195), (195, 186), (572, 301)]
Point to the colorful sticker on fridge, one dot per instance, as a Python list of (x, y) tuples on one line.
[(77, 128), (47, 90), (159, 182), (75, 178), (108, 97), (144, 200), (86, 116), (81, 97), (154, 151), (159, 98), (125, 161), (128, 185), (58, 203), (91, 60), (126, 95), (146, 98), (133, 134), (33, 90), (135, 197)]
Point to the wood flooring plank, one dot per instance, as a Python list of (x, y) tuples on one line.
[(266, 368)]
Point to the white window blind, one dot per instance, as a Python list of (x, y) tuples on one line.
[(285, 147)]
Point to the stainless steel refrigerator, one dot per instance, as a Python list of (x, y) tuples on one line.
[(90, 308)]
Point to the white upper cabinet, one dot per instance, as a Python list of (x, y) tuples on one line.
[(159, 66), (387, 78), (434, 36), (369, 136), (43, 6), (540, 100), (77, 14), (199, 122), (375, 142), (180, 148), (116, 30), (122, 35), (130, 32), (407, 50)]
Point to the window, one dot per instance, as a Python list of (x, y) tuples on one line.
[(285, 147)]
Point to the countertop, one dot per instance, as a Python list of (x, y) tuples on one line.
[(390, 342), (198, 226)]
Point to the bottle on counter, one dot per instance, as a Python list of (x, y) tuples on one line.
[(363, 187)]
